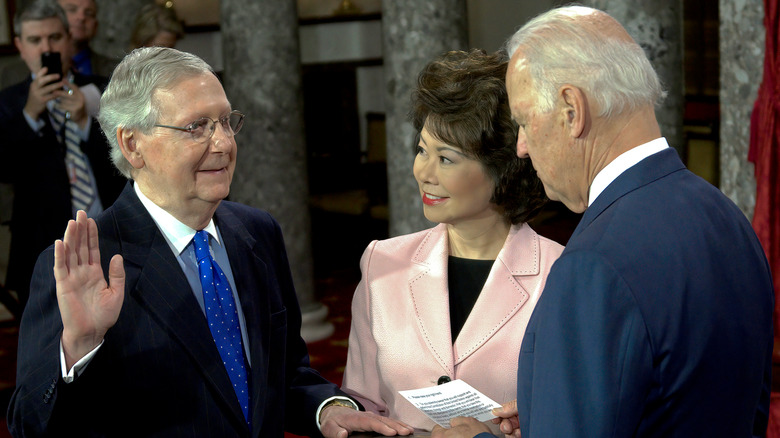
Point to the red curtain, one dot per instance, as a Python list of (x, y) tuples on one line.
[(765, 151)]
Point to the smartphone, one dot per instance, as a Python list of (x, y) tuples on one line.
[(53, 63)]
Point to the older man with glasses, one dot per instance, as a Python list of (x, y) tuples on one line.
[(194, 328)]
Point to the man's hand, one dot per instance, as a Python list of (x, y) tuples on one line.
[(339, 422), (89, 306), (507, 419), (460, 427), (42, 90), (72, 100)]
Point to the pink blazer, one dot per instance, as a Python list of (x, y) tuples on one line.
[(400, 336)]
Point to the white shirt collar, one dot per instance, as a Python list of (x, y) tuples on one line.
[(177, 234), (622, 163)]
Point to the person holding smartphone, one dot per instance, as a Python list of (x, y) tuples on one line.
[(52, 147)]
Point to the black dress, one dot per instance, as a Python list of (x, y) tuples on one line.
[(466, 277)]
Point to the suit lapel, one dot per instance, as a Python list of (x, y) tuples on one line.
[(155, 280), (251, 275), (428, 288), (646, 171), (519, 257)]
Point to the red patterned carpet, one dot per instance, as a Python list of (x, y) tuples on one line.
[(329, 356)]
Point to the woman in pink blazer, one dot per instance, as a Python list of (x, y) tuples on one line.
[(453, 301)]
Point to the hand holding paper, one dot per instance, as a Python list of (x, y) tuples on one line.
[(454, 399)]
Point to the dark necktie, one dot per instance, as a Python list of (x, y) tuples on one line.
[(81, 193), (222, 318)]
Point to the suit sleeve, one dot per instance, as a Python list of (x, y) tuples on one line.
[(585, 364), (361, 376), (19, 137), (39, 386)]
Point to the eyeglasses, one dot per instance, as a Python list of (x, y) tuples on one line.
[(202, 129)]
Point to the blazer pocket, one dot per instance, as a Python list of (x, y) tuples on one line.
[(278, 320)]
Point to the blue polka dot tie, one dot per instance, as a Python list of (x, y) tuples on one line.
[(223, 318)]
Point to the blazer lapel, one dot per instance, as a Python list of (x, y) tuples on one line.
[(251, 276), (155, 280), (506, 285), (646, 171), (428, 288)]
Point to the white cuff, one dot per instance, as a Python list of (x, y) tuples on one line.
[(69, 375), (328, 400), (35, 125)]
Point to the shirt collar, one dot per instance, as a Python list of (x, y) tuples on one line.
[(623, 162), (177, 234)]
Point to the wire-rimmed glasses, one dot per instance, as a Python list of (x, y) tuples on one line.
[(202, 129)]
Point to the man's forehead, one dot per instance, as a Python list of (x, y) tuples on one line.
[(47, 26), (175, 98), (518, 74), (169, 91)]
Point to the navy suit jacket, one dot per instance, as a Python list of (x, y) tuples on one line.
[(656, 321), (35, 164), (158, 372)]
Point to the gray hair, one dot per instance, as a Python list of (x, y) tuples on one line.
[(562, 50), (129, 100), (40, 10)]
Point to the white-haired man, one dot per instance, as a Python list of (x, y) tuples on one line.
[(656, 321)]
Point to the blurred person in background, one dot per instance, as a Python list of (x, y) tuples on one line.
[(82, 17), (54, 154), (156, 25)]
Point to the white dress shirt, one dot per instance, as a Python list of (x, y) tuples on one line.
[(623, 162)]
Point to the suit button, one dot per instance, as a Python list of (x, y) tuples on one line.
[(443, 379)]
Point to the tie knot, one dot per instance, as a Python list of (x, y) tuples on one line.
[(201, 242)]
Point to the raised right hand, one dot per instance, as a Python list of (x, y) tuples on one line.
[(89, 306)]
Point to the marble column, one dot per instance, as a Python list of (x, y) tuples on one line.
[(657, 27), (262, 78), (115, 26), (741, 68), (414, 32)]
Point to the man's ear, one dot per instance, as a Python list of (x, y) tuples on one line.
[(18, 44), (575, 109), (129, 147)]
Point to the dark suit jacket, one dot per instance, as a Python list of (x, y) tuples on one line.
[(35, 165), (158, 373), (13, 72), (656, 321)]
